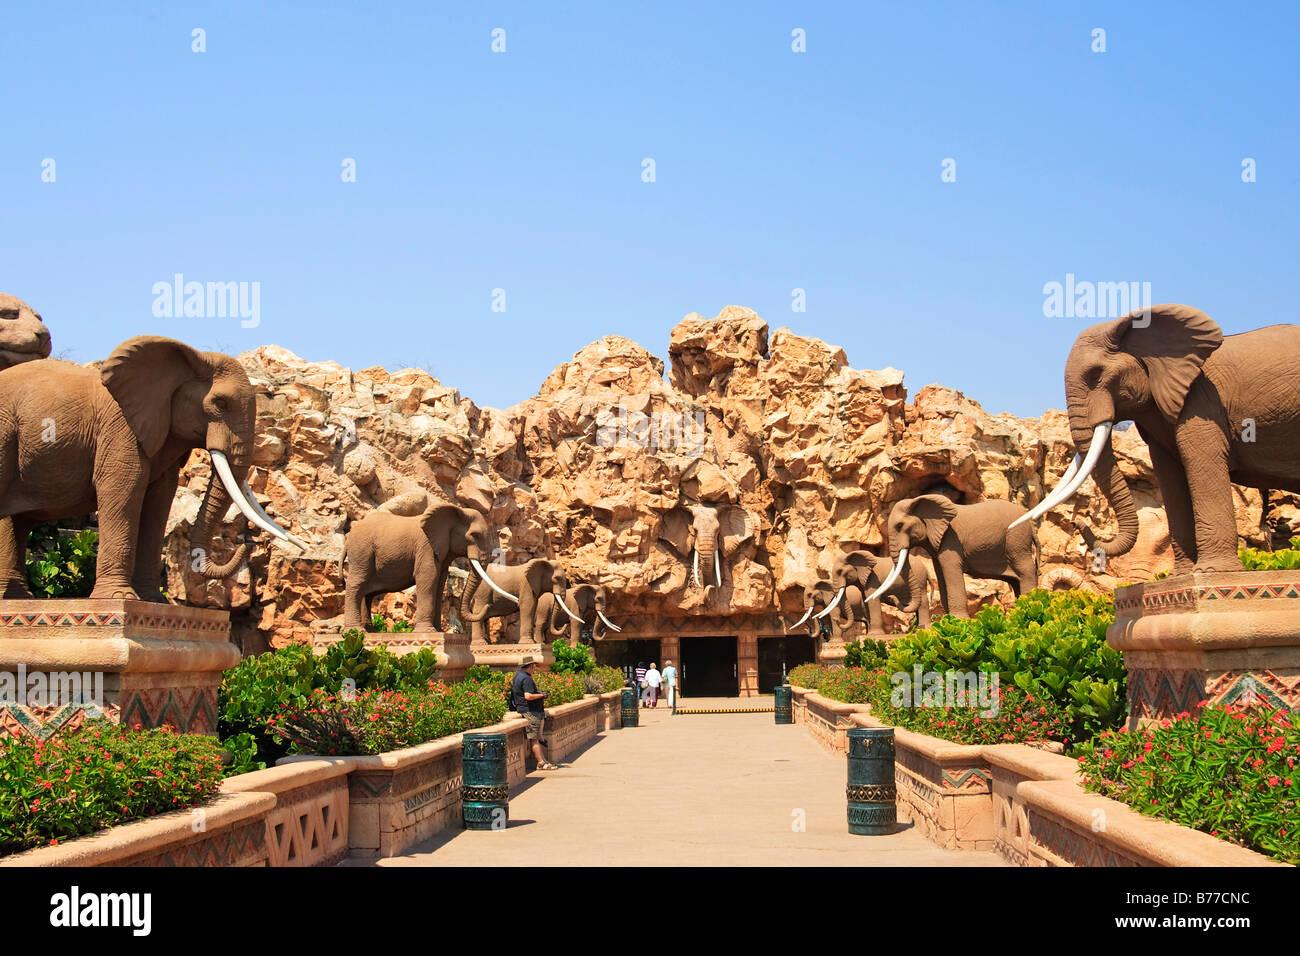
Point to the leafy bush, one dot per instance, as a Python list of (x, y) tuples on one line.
[(808, 675), (377, 720), (1051, 646), (563, 687), (97, 776), (604, 679), (478, 673), (1286, 559), (571, 659), (61, 561), (1228, 771), (380, 625), (258, 687), (865, 653)]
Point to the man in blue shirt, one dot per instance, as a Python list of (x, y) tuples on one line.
[(526, 700)]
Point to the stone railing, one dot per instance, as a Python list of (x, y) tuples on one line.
[(314, 811), (1026, 804)]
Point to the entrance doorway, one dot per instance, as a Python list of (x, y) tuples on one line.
[(777, 656), (625, 655), (709, 667)]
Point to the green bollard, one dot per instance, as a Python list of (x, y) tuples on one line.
[(484, 793), (630, 709), (781, 698), (871, 791)]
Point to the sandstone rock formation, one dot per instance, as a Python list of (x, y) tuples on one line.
[(593, 470)]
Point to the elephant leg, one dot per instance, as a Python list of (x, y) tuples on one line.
[(158, 498), (121, 499), (13, 556), (952, 582), (1026, 576), (426, 582), (439, 587), (1178, 507), (875, 617), (923, 610), (527, 616)]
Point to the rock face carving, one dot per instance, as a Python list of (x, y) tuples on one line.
[(822, 452), (388, 552), (23, 336), (708, 536), (1213, 410), (76, 439)]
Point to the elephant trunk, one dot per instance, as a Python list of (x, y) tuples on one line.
[(216, 501), (472, 583), (706, 548), (1114, 486)]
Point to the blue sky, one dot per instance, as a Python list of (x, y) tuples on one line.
[(775, 170)]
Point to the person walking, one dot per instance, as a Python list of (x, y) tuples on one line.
[(640, 682), (670, 682), (653, 679), (526, 700)]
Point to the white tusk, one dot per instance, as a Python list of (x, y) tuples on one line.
[(717, 568), (800, 621), (830, 607), (695, 568), (1066, 491), (1053, 497), (252, 500), (608, 623), (254, 515), (566, 610), (894, 572), (492, 584)]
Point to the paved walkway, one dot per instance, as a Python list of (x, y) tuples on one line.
[(703, 789)]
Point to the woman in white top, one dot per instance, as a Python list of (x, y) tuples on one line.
[(653, 679)]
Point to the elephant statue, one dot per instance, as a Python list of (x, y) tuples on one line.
[(76, 439), (23, 336), (1213, 410), (706, 533), (506, 590), (823, 602), (865, 572), (587, 602), (386, 552), (962, 539)]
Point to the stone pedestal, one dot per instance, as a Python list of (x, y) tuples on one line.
[(1226, 637), (506, 657), (830, 653), (452, 649), (134, 662)]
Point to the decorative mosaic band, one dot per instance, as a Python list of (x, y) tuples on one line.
[(872, 815), (1189, 596), (872, 793), (172, 622), (484, 794)]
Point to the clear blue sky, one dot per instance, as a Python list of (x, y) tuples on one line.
[(522, 170)]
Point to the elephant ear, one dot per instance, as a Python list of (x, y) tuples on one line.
[(438, 516), (736, 527), (675, 528), (936, 513), (1174, 347), (142, 375)]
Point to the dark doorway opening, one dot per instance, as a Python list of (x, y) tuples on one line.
[(777, 656), (627, 654), (709, 667)]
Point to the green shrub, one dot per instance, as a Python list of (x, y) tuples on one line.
[(61, 561), (97, 776), (808, 675), (377, 720), (563, 687), (258, 687), (1285, 559), (478, 673), (604, 679), (381, 625), (865, 653), (571, 658), (1228, 771)]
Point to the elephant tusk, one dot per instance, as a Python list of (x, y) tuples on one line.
[(894, 572), (254, 515), (252, 500), (695, 569), (564, 607), (799, 622), (717, 568), (608, 623), (492, 584), (1066, 490), (834, 604), (1053, 497)]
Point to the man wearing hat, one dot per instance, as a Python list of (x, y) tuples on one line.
[(526, 699)]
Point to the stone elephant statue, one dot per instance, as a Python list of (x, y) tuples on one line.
[(962, 539), (1213, 410), (75, 439), (23, 336), (587, 601), (823, 604), (386, 552), (856, 574), (509, 589), (705, 534)]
